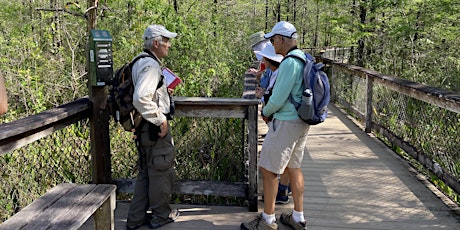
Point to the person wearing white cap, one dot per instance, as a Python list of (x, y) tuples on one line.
[(151, 98), (285, 141)]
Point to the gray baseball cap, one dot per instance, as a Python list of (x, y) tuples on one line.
[(157, 30)]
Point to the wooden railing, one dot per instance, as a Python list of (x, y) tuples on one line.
[(16, 134), (439, 100)]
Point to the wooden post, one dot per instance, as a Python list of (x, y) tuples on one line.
[(104, 216), (252, 145), (99, 119), (369, 95)]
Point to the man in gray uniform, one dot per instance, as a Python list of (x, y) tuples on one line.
[(156, 177)]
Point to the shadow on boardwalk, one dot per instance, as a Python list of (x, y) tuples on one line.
[(352, 181)]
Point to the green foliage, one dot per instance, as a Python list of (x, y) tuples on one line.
[(43, 62), (30, 171)]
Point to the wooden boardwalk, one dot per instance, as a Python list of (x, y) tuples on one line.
[(352, 181)]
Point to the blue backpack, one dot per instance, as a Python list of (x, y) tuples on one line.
[(316, 91)]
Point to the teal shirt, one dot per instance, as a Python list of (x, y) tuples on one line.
[(289, 81)]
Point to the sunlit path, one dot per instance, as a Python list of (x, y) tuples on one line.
[(352, 181)]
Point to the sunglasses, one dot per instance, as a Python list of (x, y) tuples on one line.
[(272, 40)]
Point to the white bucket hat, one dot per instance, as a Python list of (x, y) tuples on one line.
[(269, 53), (284, 29), (157, 30)]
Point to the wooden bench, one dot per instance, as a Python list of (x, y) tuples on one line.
[(68, 206)]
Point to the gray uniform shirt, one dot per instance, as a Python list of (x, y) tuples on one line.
[(151, 103)]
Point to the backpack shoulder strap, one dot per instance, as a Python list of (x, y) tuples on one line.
[(143, 55), (295, 56)]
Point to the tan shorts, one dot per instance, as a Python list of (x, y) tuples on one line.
[(284, 145)]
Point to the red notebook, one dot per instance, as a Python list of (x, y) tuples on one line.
[(172, 80)]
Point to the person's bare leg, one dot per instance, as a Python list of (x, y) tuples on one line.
[(284, 178), (297, 187), (270, 185)]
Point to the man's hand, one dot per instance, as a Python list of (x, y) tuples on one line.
[(266, 119), (164, 129), (251, 71), (259, 92)]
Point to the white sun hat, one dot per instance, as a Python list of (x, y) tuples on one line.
[(269, 52)]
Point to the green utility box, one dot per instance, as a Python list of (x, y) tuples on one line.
[(100, 58)]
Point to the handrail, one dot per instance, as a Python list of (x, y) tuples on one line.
[(18, 133), (438, 97)]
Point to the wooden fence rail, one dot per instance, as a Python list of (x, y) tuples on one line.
[(431, 95), (16, 134)]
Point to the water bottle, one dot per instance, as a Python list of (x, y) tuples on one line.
[(305, 110), (307, 97)]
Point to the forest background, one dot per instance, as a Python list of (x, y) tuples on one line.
[(43, 58), (42, 55)]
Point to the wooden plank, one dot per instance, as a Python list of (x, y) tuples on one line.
[(215, 188), (104, 216), (12, 143), (214, 101), (228, 111), (52, 214), (67, 206), (252, 169), (83, 204), (45, 118), (16, 134), (27, 214)]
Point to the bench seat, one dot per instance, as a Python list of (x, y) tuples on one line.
[(68, 206)]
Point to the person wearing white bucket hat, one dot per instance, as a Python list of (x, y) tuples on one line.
[(284, 144), (271, 61), (156, 176)]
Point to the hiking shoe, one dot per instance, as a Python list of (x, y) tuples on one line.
[(146, 222), (282, 195), (156, 222), (258, 224), (286, 218), (282, 199), (133, 228), (279, 199)]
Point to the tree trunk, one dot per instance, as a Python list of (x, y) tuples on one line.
[(315, 39), (294, 8), (56, 25), (361, 42), (266, 15), (176, 6), (279, 11), (287, 10)]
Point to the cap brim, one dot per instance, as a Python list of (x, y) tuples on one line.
[(269, 35), (169, 34)]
